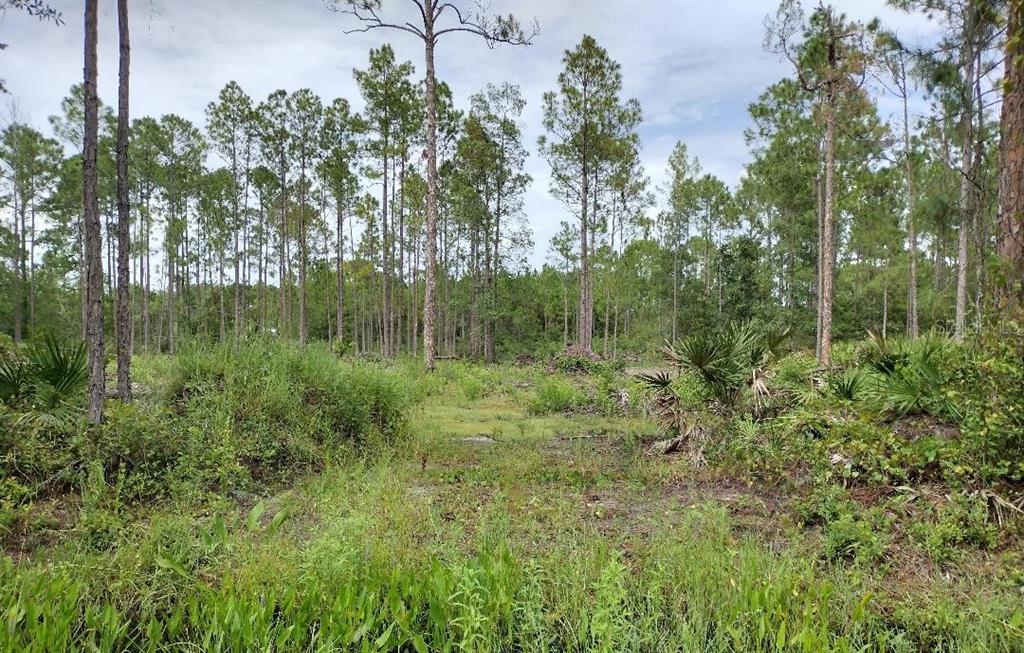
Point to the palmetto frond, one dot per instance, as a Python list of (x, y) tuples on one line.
[(61, 367), (655, 380)]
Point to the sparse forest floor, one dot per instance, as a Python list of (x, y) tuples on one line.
[(516, 509)]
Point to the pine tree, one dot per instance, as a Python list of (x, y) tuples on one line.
[(501, 29), (583, 118), (124, 315)]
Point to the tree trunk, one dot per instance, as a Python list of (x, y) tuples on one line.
[(222, 327), (583, 333), (340, 317), (146, 275), (124, 335), (819, 215), (19, 265), (238, 287), (885, 306), (93, 240), (966, 162), (261, 260), (912, 322), (32, 268), (303, 255), (828, 233), (431, 119), (282, 255), (1011, 165)]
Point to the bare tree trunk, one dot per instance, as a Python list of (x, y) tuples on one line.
[(303, 256), (819, 214), (912, 322), (172, 291), (385, 260), (124, 334), (340, 273), (828, 233), (583, 333), (414, 317), (238, 290), (222, 328), (565, 308), (1011, 164), (32, 268), (966, 161), (19, 264), (261, 259), (282, 254), (885, 307), (431, 119), (146, 276), (93, 241), (83, 279)]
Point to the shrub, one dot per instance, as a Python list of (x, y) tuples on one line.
[(729, 361), (964, 520), (555, 395), (849, 385), (50, 374), (826, 503), (278, 408), (988, 386), (137, 449), (912, 375), (225, 420), (852, 537)]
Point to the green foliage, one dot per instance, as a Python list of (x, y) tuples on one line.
[(852, 537), (555, 395), (962, 521), (738, 596), (50, 374), (727, 363), (849, 385), (574, 361), (277, 408), (989, 377), (229, 419), (910, 375)]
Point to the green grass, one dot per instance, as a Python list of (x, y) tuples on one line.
[(494, 527)]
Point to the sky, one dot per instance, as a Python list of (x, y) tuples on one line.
[(694, 66)]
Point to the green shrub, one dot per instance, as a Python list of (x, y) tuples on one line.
[(472, 388), (988, 387), (849, 385), (279, 408), (912, 376), (224, 419), (730, 361), (963, 521), (826, 503), (555, 395), (852, 537), (50, 374), (137, 448)]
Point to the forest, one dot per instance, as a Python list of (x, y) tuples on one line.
[(302, 376)]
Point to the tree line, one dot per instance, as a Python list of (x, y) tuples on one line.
[(401, 229)]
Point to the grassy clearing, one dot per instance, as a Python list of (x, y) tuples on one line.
[(491, 525)]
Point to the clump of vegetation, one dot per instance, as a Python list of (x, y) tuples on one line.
[(576, 360), (47, 375), (725, 371), (963, 520), (555, 395), (227, 419)]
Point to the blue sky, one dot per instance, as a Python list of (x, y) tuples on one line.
[(694, 66)]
